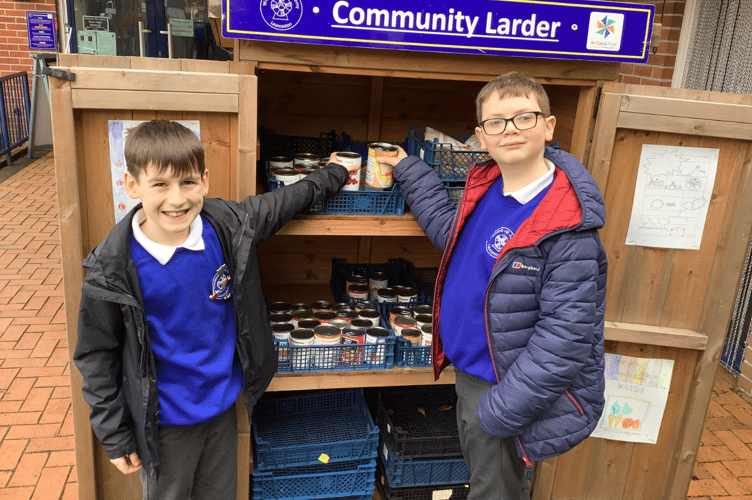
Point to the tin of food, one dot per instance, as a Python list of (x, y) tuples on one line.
[(380, 175), (281, 332), (376, 335), (347, 159), (358, 293), (371, 315), (352, 336), (300, 338), (423, 309), (386, 295), (324, 337), (281, 162), (306, 160), (404, 323), (355, 279), (279, 307), (286, 176)]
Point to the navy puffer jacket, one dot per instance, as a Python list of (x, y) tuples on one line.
[(544, 304)]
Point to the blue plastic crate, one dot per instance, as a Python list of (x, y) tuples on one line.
[(296, 430), (362, 202), (404, 472), (451, 164), (337, 480), (455, 190), (337, 357), (406, 354)]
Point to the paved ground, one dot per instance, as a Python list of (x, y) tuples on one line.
[(36, 433)]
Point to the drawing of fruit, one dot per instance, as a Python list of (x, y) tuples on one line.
[(636, 424), (627, 423)]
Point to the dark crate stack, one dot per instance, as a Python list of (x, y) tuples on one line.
[(419, 449), (311, 446)]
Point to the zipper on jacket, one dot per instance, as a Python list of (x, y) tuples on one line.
[(528, 464)]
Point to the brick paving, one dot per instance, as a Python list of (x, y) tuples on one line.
[(37, 460)]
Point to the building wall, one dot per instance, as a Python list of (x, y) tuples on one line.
[(659, 70), (15, 55)]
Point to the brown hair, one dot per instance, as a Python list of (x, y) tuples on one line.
[(165, 144), (512, 84)]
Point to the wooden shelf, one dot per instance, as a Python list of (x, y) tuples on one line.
[(352, 225), (373, 378)]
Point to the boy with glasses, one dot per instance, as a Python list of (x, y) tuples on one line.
[(520, 295)]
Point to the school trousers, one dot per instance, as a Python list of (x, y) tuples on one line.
[(496, 471), (198, 462)]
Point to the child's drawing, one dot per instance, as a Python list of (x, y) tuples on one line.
[(672, 194)]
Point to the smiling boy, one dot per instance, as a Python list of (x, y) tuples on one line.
[(520, 294), (172, 324)]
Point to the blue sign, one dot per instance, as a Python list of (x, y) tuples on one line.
[(600, 31), (41, 29)]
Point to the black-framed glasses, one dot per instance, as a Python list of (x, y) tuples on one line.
[(523, 121)]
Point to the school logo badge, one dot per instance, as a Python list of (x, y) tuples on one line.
[(605, 31), (221, 286), (497, 241), (281, 15)]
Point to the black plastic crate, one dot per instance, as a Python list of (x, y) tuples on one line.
[(422, 471), (424, 279), (432, 492), (396, 271), (419, 422), (272, 144)]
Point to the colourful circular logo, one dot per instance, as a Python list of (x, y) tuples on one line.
[(282, 15)]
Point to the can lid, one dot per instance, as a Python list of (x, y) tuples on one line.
[(423, 309), (378, 276), (377, 331), (301, 334), (308, 323), (353, 332), (427, 329), (361, 324), (322, 305), (280, 158), (280, 317), (282, 327), (405, 321), (387, 292), (285, 171), (302, 314), (348, 154), (424, 318), (400, 311), (356, 278), (369, 313), (279, 307), (307, 156), (327, 331), (382, 146), (411, 333), (325, 315)]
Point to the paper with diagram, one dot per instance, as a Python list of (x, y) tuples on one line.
[(672, 195), (636, 394)]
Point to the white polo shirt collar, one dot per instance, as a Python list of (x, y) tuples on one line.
[(526, 194), (163, 253)]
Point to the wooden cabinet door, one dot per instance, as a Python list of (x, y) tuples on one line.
[(663, 302)]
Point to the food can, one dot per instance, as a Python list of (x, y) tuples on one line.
[(340, 323), (279, 307), (324, 317), (377, 280), (423, 309), (412, 335), (354, 279), (376, 335), (281, 332), (386, 295), (306, 171), (411, 340), (300, 338), (426, 335), (299, 315), (309, 324), (338, 306), (367, 304), (398, 311), (306, 160), (407, 294), (371, 315), (358, 293), (286, 176), (424, 319), (323, 162), (347, 315), (361, 324), (276, 318), (404, 323), (281, 162), (347, 159), (325, 336), (380, 175), (351, 336), (322, 305)]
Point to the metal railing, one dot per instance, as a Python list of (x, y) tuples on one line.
[(14, 112)]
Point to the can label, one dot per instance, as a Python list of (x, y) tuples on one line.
[(380, 175), (348, 159), (354, 353)]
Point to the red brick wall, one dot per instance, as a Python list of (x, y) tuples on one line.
[(14, 49), (659, 70)]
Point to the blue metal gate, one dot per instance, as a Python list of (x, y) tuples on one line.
[(14, 112)]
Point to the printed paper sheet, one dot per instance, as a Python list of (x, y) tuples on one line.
[(673, 190), (636, 394), (118, 130)]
